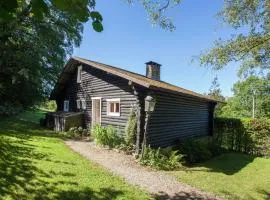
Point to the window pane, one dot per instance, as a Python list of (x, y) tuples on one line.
[(111, 107), (117, 107), (78, 104)]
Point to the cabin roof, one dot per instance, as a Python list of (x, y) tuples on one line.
[(134, 77)]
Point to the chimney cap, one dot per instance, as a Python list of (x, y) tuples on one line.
[(152, 63)]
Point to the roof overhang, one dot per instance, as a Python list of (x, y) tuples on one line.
[(143, 81)]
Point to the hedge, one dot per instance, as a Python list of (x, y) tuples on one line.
[(251, 136)]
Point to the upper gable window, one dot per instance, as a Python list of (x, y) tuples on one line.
[(113, 107), (79, 74)]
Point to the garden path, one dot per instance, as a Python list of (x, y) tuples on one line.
[(158, 183)]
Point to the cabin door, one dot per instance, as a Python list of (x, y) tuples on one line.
[(96, 111)]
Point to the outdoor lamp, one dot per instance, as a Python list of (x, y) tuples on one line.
[(150, 103)]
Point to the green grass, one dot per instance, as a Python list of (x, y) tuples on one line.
[(36, 164), (233, 175)]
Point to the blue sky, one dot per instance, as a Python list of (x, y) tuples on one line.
[(129, 40)]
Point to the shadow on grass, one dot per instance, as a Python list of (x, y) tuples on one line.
[(179, 196), (265, 194), (227, 163), (20, 178)]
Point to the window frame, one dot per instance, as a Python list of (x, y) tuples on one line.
[(66, 106), (83, 104), (78, 103), (79, 74), (114, 101)]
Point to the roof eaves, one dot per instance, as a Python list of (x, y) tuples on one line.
[(106, 69)]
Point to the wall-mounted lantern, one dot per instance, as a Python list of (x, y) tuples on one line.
[(150, 103)]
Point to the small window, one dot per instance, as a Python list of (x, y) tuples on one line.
[(113, 107), (66, 105), (83, 104), (78, 104), (79, 74)]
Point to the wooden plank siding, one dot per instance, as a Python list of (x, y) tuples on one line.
[(177, 117), (96, 83)]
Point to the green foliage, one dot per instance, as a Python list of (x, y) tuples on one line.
[(7, 109), (47, 105), (215, 92), (240, 105), (33, 52), (250, 41), (76, 132), (249, 136), (106, 136), (131, 130), (160, 158), (156, 11), (195, 150)]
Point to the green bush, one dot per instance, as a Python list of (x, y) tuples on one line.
[(160, 158), (106, 136), (249, 136), (75, 132), (48, 105), (9, 109), (196, 150), (131, 129), (128, 144)]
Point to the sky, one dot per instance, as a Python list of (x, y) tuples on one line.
[(129, 40)]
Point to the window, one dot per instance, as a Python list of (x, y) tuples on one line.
[(113, 107), (78, 104), (83, 104), (66, 105), (79, 74)]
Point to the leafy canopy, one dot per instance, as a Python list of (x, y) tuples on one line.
[(36, 36), (240, 105), (251, 42)]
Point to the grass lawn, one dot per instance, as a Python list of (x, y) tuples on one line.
[(35, 164), (233, 175)]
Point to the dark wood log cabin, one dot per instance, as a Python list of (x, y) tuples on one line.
[(106, 95)]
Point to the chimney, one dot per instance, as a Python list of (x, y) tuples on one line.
[(153, 70)]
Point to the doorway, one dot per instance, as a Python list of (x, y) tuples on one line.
[(96, 110)]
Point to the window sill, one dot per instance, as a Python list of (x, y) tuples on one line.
[(113, 114)]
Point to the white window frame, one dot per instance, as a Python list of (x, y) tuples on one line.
[(83, 104), (78, 102), (115, 114), (79, 74), (66, 106)]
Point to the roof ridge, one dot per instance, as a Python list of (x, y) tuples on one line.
[(148, 82)]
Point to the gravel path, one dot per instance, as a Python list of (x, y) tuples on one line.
[(158, 183)]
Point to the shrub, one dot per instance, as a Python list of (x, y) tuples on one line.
[(128, 144), (131, 129), (160, 158), (249, 136), (195, 150), (259, 136), (106, 136), (9, 109), (48, 105), (75, 132)]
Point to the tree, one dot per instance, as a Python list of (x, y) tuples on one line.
[(240, 105), (36, 36), (215, 92), (33, 53), (251, 48)]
